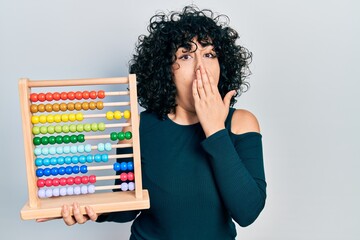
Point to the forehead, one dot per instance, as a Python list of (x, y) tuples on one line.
[(194, 45)]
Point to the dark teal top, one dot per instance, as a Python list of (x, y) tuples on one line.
[(197, 185)]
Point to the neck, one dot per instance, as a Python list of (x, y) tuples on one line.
[(183, 116)]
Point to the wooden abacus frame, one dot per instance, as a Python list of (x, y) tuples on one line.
[(104, 202)]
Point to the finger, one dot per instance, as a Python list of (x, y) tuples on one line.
[(90, 212), (79, 217), (195, 91), (68, 219), (200, 86), (46, 219), (205, 80), (227, 98)]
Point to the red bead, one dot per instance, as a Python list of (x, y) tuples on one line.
[(101, 94), (123, 177), (130, 176), (63, 96), (78, 95), (56, 96), (41, 97), (92, 179), (62, 181), (77, 180), (55, 182), (70, 180), (93, 95), (48, 182), (85, 95), (84, 179), (49, 96), (40, 183), (71, 95), (34, 97)]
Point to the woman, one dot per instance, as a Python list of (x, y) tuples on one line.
[(201, 160)]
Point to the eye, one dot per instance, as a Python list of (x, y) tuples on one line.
[(185, 57), (210, 55)]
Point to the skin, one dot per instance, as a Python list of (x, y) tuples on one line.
[(196, 76)]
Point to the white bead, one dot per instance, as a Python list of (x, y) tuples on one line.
[(124, 186), (77, 190), (63, 191), (70, 190), (41, 193), (91, 188), (48, 192), (131, 186), (84, 189), (56, 192)]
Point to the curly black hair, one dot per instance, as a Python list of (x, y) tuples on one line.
[(155, 55)]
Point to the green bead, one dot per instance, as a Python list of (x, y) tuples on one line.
[(81, 138), (80, 127), (36, 130), (52, 140), (101, 126), (72, 128), (51, 129), (65, 128), (73, 138), (43, 130), (87, 127), (59, 139), (94, 127), (66, 138), (37, 141), (113, 136), (121, 136), (58, 129), (128, 135), (44, 141)]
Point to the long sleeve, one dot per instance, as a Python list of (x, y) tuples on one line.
[(239, 173)]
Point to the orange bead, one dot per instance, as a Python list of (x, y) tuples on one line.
[(101, 94), (85, 95), (99, 105), (63, 107), (71, 95), (48, 107), (56, 107), (93, 95), (85, 105), (71, 106), (78, 95), (33, 108), (92, 105), (78, 106), (41, 108)]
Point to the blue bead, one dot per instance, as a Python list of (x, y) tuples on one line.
[(81, 148), (38, 162), (53, 161), (130, 166), (87, 148), (82, 159), (101, 147), (61, 160), (59, 150), (37, 151), (47, 172), (68, 170), (89, 158), (74, 159), (61, 170), (108, 146), (97, 158), (39, 172), (75, 169), (44, 151), (73, 149), (66, 149), (116, 166), (68, 160), (52, 150), (104, 157), (83, 169), (54, 171), (123, 166), (46, 161)]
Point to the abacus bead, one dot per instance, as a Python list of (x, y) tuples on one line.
[(65, 117), (38, 162), (128, 135), (48, 182), (89, 158), (36, 130), (124, 187), (52, 150), (45, 151), (42, 119), (87, 148), (37, 151), (83, 169), (81, 138), (92, 179), (41, 108), (33, 108), (56, 107), (50, 129), (104, 157), (34, 97), (52, 140), (80, 127), (67, 160), (66, 149), (121, 136), (55, 182), (79, 116), (85, 95), (113, 136), (63, 107), (97, 158), (130, 166), (101, 147), (70, 106), (54, 171), (37, 141), (78, 95), (74, 159), (61, 160), (57, 118), (71, 95), (58, 128), (41, 193), (66, 139), (53, 161), (48, 192), (60, 150), (101, 94), (70, 190), (72, 117), (73, 149), (43, 130), (85, 106), (41, 97), (72, 128), (76, 169), (81, 148), (109, 115), (77, 190), (108, 146), (39, 172), (127, 114), (123, 177), (56, 192), (59, 139), (101, 126), (48, 107), (35, 119), (82, 159), (49, 96), (63, 191), (65, 128), (93, 95), (50, 118), (44, 140), (47, 172), (84, 179), (68, 170), (46, 161), (130, 176), (117, 115), (99, 105), (40, 183), (56, 96), (92, 105), (77, 180), (73, 139), (87, 127), (84, 190), (91, 189), (62, 181), (78, 106), (61, 171), (116, 166), (94, 127), (63, 96), (131, 186), (123, 166), (70, 181)]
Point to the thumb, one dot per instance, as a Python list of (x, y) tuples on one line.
[(228, 97)]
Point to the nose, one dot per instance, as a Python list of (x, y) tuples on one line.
[(198, 61)]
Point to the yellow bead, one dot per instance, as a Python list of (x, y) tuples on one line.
[(35, 119), (79, 117), (126, 114), (65, 117), (42, 119), (50, 118), (117, 115), (72, 117), (57, 118), (109, 115)]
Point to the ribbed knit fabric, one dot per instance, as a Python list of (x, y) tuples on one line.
[(196, 185)]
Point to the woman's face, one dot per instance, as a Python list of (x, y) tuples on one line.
[(184, 71)]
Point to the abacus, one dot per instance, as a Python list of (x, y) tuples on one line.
[(63, 155)]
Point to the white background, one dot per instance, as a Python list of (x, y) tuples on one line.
[(304, 92)]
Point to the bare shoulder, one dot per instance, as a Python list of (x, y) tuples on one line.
[(244, 121)]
